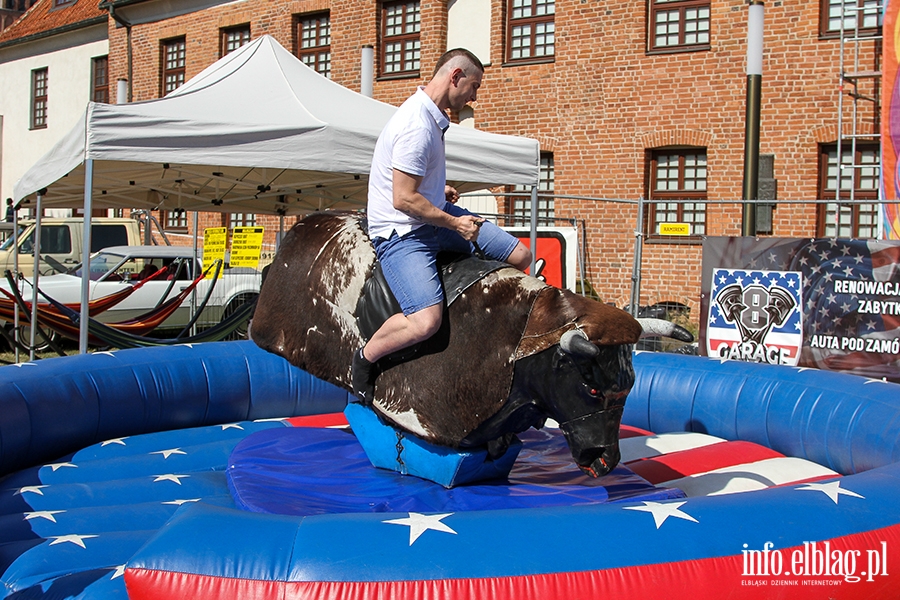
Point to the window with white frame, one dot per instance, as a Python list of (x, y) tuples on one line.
[(677, 176), (837, 14), (232, 38), (676, 25), (531, 30), (39, 85), (859, 175), (401, 46), (520, 206), (313, 42), (172, 62)]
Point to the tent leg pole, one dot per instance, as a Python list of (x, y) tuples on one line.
[(36, 274), (533, 239), (15, 255), (196, 225), (86, 257), (638, 257)]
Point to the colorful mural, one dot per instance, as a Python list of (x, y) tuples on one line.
[(890, 123), (827, 303)]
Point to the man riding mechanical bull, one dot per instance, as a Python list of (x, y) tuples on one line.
[(498, 353)]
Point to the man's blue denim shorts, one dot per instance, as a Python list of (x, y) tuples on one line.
[(410, 262)]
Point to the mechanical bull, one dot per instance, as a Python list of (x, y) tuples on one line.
[(511, 352)]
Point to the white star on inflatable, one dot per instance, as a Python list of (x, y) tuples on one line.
[(661, 511), (231, 426), (120, 441), (419, 524), (43, 514), (56, 466), (120, 570), (73, 538), (180, 502), (104, 353), (169, 452), (34, 489), (169, 477), (832, 489), (26, 364)]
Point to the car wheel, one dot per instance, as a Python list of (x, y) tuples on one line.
[(40, 343), (241, 332)]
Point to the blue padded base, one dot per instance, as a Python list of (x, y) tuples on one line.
[(307, 471), (389, 448)]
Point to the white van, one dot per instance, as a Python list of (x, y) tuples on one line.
[(62, 242)]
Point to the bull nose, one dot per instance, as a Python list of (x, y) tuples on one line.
[(597, 462)]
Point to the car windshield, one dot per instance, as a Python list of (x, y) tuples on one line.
[(112, 267), (8, 242)]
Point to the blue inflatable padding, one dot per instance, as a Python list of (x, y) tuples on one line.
[(565, 539), (845, 419), (389, 448), (56, 406), (116, 494), (322, 471), (91, 584), (97, 519), (46, 562), (844, 422), (198, 534)]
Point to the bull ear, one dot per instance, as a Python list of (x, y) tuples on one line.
[(575, 342)]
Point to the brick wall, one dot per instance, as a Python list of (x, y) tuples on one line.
[(598, 107)]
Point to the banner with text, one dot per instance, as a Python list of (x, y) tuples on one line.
[(214, 241), (246, 244), (826, 303)]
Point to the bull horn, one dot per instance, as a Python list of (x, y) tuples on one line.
[(661, 327), (576, 342)]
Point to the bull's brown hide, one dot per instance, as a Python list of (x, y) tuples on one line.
[(305, 307), (462, 375)]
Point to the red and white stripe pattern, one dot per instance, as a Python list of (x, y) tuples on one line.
[(705, 465)]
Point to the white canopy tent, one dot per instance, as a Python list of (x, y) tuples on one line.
[(256, 132)]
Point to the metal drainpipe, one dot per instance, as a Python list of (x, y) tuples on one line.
[(128, 53)]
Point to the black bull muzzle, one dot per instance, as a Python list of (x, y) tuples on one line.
[(593, 440)]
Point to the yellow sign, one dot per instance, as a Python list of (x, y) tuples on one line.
[(214, 241), (246, 244), (674, 229)]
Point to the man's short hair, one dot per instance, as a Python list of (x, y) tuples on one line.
[(458, 52)]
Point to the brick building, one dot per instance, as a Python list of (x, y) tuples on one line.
[(628, 99)]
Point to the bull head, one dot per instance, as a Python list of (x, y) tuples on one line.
[(589, 411)]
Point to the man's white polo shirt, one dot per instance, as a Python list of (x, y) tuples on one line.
[(412, 142)]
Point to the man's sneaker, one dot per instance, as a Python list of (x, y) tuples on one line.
[(362, 377)]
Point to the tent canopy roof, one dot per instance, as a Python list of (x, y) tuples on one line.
[(258, 132)]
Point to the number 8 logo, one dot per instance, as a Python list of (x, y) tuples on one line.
[(754, 315)]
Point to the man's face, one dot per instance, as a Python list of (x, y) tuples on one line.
[(464, 87)]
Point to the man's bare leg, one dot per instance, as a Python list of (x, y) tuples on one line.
[(401, 331), (398, 332)]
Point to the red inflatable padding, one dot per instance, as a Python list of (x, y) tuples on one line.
[(149, 584), (666, 467), (326, 420), (627, 431), (703, 579)]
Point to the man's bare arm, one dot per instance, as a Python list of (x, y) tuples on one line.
[(408, 200)]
